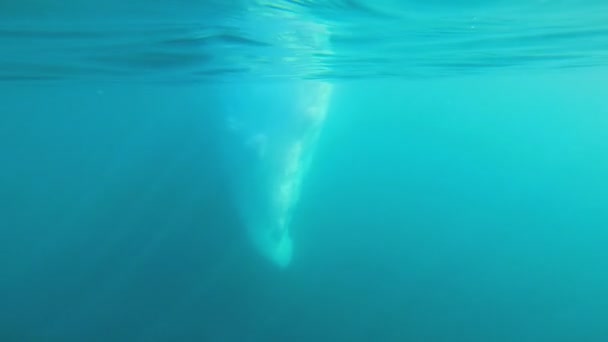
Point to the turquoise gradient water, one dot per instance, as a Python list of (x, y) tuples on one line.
[(457, 191)]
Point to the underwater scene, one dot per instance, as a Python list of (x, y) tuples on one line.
[(314, 170)]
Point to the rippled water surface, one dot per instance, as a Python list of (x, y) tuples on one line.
[(198, 40)]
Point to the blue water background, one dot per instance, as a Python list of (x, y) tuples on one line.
[(447, 201)]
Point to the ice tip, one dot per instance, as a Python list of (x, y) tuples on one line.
[(278, 249), (282, 252)]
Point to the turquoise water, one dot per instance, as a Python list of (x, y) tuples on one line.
[(457, 190)]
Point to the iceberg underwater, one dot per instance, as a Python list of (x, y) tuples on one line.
[(271, 151), (276, 136)]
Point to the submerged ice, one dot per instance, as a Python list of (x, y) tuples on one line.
[(273, 144), (278, 126)]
